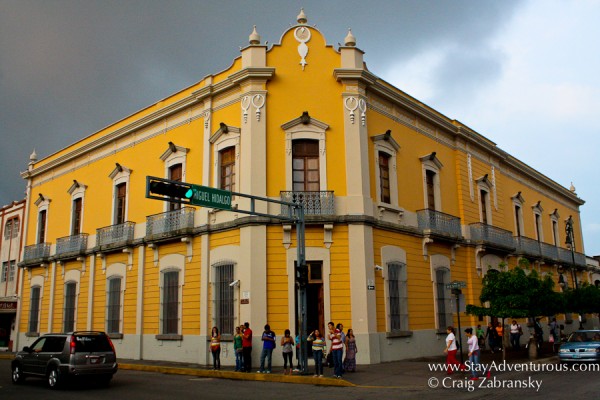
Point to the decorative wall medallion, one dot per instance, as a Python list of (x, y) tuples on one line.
[(206, 119), (302, 35), (258, 101), (362, 106), (351, 104), (245, 106)]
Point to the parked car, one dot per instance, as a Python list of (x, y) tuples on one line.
[(57, 357), (581, 346)]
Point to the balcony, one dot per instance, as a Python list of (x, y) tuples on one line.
[(549, 251), (528, 246), (170, 224), (71, 246), (36, 253), (313, 203), (492, 236), (439, 223), (115, 235)]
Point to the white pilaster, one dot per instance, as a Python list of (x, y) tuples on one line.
[(139, 316)]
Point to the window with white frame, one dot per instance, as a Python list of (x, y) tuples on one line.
[(305, 166), (11, 228), (226, 150), (170, 302), (386, 149), (34, 310), (113, 305), (224, 313), (69, 307), (518, 202), (485, 187), (227, 169), (174, 158), (537, 219), (4, 276), (11, 270), (175, 174), (397, 296), (431, 181), (120, 177), (42, 223), (554, 218), (77, 192), (443, 298)]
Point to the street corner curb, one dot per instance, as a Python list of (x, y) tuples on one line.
[(298, 379)]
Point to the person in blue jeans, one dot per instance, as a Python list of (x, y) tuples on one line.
[(473, 344), (337, 348), (268, 338), (238, 348), (318, 349)]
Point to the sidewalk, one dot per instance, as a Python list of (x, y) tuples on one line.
[(404, 374)]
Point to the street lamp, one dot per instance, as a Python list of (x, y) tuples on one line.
[(570, 241), (455, 288)]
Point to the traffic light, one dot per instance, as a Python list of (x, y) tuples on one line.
[(302, 275), (168, 188)]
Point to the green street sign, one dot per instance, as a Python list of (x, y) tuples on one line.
[(456, 285), (187, 193), (209, 197)]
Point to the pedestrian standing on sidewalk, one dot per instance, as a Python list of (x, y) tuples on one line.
[(491, 334), (215, 348), (238, 348), (450, 351), (337, 349), (480, 337), (351, 350), (287, 349), (247, 347), (473, 344), (515, 335), (268, 339), (318, 349)]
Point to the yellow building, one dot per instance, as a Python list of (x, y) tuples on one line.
[(400, 200)]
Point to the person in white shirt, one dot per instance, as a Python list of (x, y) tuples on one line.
[(473, 344), (450, 351), (515, 335)]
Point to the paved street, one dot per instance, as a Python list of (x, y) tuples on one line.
[(412, 383)]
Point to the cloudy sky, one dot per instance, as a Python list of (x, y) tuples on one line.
[(522, 73)]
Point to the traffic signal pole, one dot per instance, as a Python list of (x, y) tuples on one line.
[(196, 195)]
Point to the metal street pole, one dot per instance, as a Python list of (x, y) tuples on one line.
[(458, 292), (301, 264)]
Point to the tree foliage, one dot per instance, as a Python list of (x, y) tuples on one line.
[(515, 294), (585, 299)]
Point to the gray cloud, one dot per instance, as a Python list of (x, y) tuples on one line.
[(69, 68)]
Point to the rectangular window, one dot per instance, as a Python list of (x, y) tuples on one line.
[(4, 276), (384, 177), (305, 166), (538, 227), (121, 202), (224, 315), (76, 228), (34, 311), (555, 232), (42, 226), (11, 270), (113, 306), (227, 172), (69, 309), (398, 297), (518, 217), (430, 185), (8, 229), (170, 305), (175, 174), (483, 197), (444, 313)]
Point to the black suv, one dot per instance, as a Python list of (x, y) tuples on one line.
[(58, 356)]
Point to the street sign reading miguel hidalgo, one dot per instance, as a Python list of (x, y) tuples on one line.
[(187, 193)]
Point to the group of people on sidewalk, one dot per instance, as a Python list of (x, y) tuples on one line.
[(242, 345), (474, 353)]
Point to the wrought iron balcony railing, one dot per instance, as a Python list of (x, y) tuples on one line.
[(314, 203), (36, 252), (71, 245), (439, 222), (491, 235), (528, 246), (564, 255), (170, 223), (115, 235)]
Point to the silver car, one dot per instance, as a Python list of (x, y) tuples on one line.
[(60, 356)]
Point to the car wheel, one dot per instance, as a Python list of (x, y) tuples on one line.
[(17, 374), (54, 378)]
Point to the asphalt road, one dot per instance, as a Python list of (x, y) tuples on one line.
[(136, 385)]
